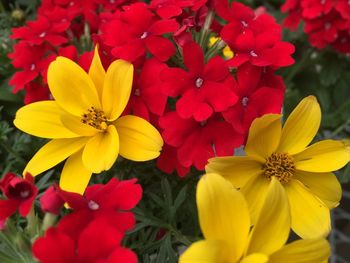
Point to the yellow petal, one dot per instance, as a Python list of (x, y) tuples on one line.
[(117, 88), (272, 228), (97, 73), (75, 124), (75, 177), (43, 119), (310, 216), (255, 258), (323, 156), (303, 251), (52, 153), (223, 213), (301, 126), (254, 192), (71, 86), (264, 136), (237, 169), (206, 251), (139, 140), (102, 150), (324, 185)]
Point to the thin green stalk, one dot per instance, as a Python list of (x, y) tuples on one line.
[(12, 152), (340, 128), (206, 30)]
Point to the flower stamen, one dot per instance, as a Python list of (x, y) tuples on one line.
[(95, 118), (279, 165)]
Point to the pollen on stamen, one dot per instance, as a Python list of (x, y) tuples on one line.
[(279, 165), (95, 118)]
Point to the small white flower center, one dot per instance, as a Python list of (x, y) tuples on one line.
[(93, 205), (199, 82), (24, 194), (327, 25), (112, 1), (144, 35), (43, 34), (323, 2), (137, 92), (253, 54), (244, 23), (245, 101), (32, 67)]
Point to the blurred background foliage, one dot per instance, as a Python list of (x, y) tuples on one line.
[(167, 219)]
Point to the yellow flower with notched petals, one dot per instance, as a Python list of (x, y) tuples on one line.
[(84, 122), (305, 172), (225, 223)]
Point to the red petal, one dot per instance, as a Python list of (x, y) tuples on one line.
[(160, 47), (193, 58), (54, 247), (163, 26)]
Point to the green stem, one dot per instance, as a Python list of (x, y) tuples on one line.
[(12, 152), (296, 68), (206, 30), (32, 226), (215, 49), (49, 220), (340, 128)]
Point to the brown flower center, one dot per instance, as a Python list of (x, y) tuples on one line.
[(95, 118), (279, 165)]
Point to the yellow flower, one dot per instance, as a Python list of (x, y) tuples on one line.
[(225, 223), (84, 122), (227, 52), (303, 171)]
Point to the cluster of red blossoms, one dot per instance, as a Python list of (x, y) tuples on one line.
[(327, 22), (202, 101), (102, 215)]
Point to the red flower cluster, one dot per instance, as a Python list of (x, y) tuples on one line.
[(326, 22), (94, 230), (58, 25), (203, 103), (20, 194)]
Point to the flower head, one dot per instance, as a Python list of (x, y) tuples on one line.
[(303, 171), (20, 195), (225, 223), (85, 124)]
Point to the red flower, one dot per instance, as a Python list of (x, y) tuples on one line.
[(169, 8), (315, 8), (51, 201), (20, 195), (258, 95), (41, 30), (137, 30), (263, 49), (198, 141), (97, 242), (146, 96), (324, 29), (168, 161), (343, 7), (31, 60), (110, 201), (203, 88)]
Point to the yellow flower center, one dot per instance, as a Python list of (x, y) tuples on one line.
[(95, 118), (279, 165)]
